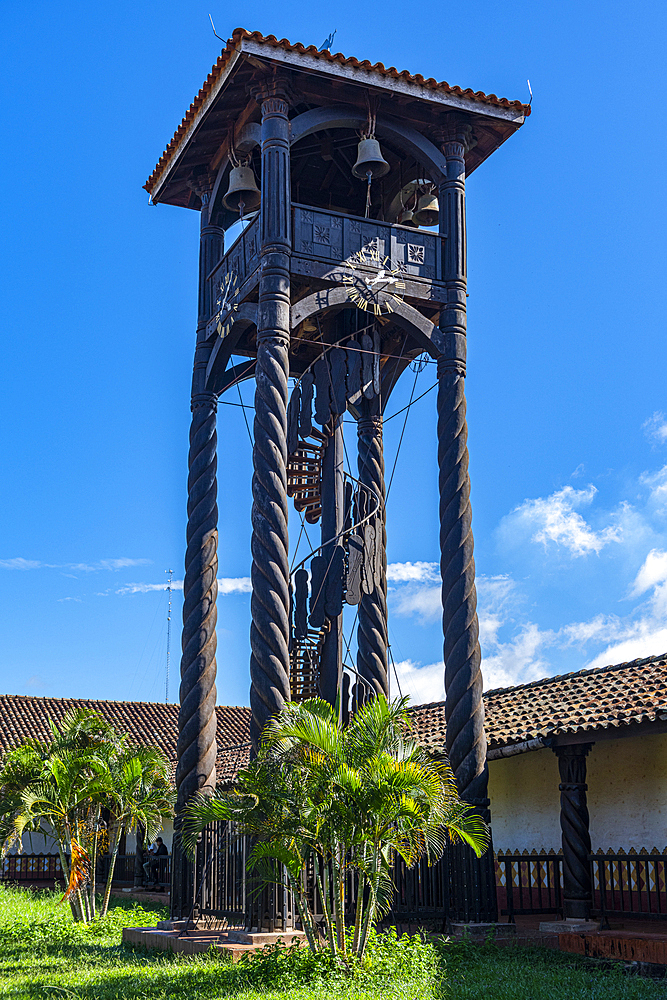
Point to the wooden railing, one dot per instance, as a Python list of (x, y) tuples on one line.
[(36, 868), (30, 868), (529, 884), (634, 884)]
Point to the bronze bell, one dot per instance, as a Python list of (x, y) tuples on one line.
[(370, 160), (428, 210), (407, 218), (242, 190)]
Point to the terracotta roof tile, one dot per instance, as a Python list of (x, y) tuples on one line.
[(584, 701), (271, 41), (23, 716)]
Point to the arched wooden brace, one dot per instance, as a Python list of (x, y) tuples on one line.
[(426, 333), (246, 315), (225, 380), (409, 140)]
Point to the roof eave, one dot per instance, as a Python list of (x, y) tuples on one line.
[(438, 95), (185, 140), (308, 62)]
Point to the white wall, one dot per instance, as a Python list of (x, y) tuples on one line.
[(525, 801), (36, 843), (627, 797), (166, 834)]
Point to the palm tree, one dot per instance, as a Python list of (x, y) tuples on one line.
[(61, 786), (46, 787), (137, 786), (349, 799)]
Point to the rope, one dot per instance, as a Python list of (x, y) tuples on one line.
[(400, 440)]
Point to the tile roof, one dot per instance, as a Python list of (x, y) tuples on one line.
[(23, 716), (585, 701), (234, 44)]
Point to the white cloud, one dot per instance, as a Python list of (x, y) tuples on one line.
[(414, 572), (61, 600), (109, 564), (421, 684), (234, 585), (556, 519), (20, 563), (519, 660), (652, 572), (226, 585), (416, 590), (657, 484), (655, 427)]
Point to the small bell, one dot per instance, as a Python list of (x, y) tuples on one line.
[(370, 160), (407, 218), (428, 210), (243, 195)]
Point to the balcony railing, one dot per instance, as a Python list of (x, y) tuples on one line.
[(330, 237), (632, 884)]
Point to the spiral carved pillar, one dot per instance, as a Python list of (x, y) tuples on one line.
[(197, 750), (331, 660), (269, 633), (372, 629), (474, 894), (574, 822)]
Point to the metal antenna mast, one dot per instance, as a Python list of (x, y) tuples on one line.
[(169, 588)]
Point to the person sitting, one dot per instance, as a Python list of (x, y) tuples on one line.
[(152, 865)]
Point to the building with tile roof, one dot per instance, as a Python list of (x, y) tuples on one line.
[(619, 711)]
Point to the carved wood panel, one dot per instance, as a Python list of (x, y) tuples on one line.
[(331, 237)]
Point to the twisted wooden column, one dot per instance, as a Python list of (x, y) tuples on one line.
[(269, 633), (574, 822), (197, 750), (372, 629), (332, 486), (475, 894), (464, 709)]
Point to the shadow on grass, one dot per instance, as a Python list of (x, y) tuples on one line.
[(470, 971)]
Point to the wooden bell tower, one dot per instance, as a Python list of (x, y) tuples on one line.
[(338, 281)]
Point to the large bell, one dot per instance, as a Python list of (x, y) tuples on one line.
[(428, 210), (242, 188), (407, 218), (370, 160)]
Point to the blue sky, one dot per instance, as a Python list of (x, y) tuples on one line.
[(566, 388)]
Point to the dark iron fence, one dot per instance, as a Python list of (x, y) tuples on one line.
[(221, 878), (422, 892), (633, 884)]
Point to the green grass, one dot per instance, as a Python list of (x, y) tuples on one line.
[(44, 954)]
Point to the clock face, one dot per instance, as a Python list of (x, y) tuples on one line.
[(368, 274), (226, 304)]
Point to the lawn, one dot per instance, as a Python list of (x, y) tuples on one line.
[(43, 954)]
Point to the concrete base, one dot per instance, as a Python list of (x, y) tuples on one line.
[(572, 925), (261, 938), (169, 936), (480, 932)]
